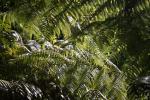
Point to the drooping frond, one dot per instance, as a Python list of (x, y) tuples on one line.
[(80, 72), (19, 90)]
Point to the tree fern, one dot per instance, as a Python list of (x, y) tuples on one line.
[(104, 34)]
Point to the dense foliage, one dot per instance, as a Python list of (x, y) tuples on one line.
[(74, 49)]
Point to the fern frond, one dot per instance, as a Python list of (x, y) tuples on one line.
[(19, 90)]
